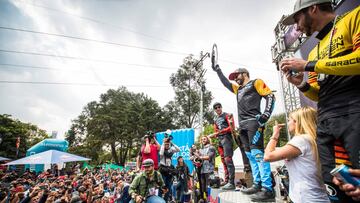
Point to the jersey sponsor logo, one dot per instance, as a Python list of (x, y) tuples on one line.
[(220, 123), (257, 136), (336, 44), (343, 62)]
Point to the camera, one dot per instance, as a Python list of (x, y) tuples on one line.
[(149, 134), (168, 135)]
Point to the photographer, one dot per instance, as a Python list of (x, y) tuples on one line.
[(167, 150), (149, 150), (146, 184)]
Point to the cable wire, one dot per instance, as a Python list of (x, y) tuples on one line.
[(96, 21), (77, 84), (92, 40), (85, 59)]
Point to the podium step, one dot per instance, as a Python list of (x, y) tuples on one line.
[(234, 197)]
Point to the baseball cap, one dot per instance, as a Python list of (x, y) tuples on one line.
[(216, 104), (148, 162), (299, 5), (236, 72)]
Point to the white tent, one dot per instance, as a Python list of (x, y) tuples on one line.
[(48, 157), (4, 159)]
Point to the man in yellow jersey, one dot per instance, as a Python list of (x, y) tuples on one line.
[(334, 82)]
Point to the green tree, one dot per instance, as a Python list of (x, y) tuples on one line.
[(117, 122), (11, 129), (187, 83), (280, 118)]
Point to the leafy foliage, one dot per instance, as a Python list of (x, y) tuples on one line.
[(280, 118), (11, 129), (187, 83), (117, 123)]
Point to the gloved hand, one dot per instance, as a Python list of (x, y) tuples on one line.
[(262, 119)]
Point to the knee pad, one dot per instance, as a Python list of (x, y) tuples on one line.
[(257, 154)]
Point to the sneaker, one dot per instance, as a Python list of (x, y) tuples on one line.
[(264, 195), (228, 186), (251, 190), (222, 183)]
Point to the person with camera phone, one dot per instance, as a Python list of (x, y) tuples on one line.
[(167, 170), (149, 150)]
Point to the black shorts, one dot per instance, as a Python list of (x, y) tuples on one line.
[(345, 129)]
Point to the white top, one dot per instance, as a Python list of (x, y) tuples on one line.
[(305, 185), (165, 155)]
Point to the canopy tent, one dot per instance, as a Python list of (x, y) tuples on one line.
[(48, 157), (45, 145), (86, 165), (4, 159), (111, 166)]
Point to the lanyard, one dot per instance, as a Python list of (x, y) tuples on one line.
[(330, 42)]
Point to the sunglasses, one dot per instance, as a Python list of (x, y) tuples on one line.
[(217, 107)]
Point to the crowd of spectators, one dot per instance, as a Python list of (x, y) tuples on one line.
[(89, 185)]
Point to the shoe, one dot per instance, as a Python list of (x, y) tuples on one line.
[(228, 186), (264, 195), (251, 190)]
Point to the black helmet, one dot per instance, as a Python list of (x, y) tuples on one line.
[(216, 104)]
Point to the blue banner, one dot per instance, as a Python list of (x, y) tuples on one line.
[(184, 139)]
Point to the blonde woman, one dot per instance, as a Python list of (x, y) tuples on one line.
[(301, 157)]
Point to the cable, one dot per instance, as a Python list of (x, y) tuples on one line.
[(46, 67), (77, 84), (92, 40), (84, 59), (34, 67), (122, 28), (96, 21), (116, 44)]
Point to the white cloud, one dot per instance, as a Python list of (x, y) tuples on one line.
[(243, 31)]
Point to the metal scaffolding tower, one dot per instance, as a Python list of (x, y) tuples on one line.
[(288, 41)]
